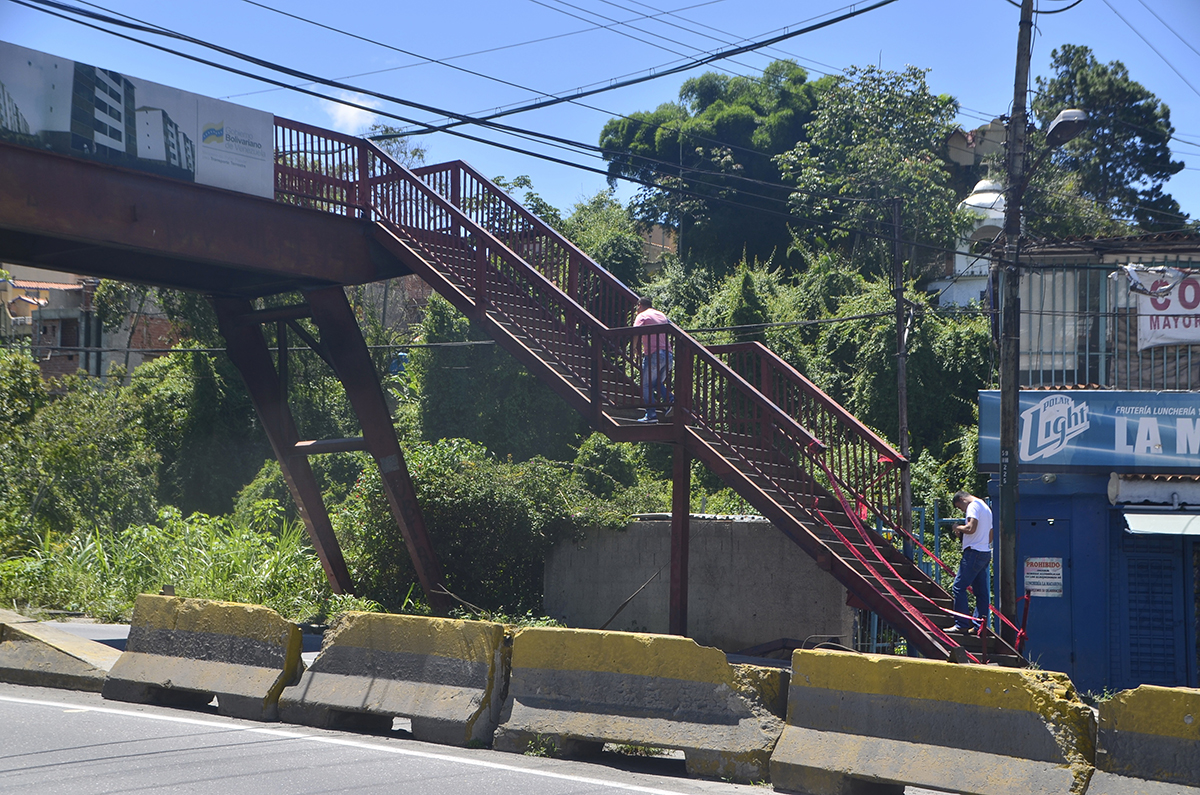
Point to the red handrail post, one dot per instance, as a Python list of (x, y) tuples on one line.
[(596, 390), (364, 182), (683, 385), (480, 277), (681, 508)]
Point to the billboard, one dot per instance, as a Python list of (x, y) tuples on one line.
[(1097, 431), (1172, 318), (94, 113)]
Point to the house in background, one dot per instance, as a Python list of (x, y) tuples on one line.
[(1108, 519), (965, 278), (53, 313)]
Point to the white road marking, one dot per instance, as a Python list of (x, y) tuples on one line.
[(294, 735)]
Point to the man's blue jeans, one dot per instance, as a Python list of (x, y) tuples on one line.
[(973, 574), (656, 369)]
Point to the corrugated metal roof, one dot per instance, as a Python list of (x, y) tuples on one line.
[(28, 285), (1163, 478)]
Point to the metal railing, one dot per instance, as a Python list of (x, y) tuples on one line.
[(510, 262), (1079, 328), (798, 451)]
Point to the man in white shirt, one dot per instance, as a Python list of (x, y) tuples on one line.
[(976, 535)]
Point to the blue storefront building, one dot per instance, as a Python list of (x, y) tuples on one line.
[(1108, 531)]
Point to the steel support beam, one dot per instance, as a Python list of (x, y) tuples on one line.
[(248, 351), (343, 341), (681, 506)]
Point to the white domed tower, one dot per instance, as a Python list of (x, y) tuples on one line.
[(968, 281)]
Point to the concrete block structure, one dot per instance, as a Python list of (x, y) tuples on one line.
[(749, 584), (446, 675), (583, 688)]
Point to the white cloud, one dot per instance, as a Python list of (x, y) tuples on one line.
[(346, 119)]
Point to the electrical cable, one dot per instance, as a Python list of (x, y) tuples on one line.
[(692, 64), (163, 31), (143, 26), (522, 87), (1186, 43), (1129, 25)]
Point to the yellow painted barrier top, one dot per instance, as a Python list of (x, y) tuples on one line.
[(665, 656), (1160, 711), (219, 618), (978, 685), (475, 641)]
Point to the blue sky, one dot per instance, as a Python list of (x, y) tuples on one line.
[(539, 47)]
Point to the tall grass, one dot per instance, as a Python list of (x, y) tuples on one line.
[(264, 560)]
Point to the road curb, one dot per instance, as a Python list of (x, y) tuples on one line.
[(42, 655)]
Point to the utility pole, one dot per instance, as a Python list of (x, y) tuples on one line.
[(1010, 339), (902, 377)]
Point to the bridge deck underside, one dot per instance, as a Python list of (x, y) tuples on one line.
[(75, 216)]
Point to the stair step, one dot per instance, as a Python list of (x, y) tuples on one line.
[(740, 443)]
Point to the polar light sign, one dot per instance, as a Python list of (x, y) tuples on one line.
[(1097, 431)]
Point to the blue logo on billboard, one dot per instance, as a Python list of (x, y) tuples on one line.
[(1050, 425), (213, 133)]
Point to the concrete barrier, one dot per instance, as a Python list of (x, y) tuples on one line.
[(866, 723), (1149, 742), (447, 676), (43, 655), (582, 688), (185, 651)]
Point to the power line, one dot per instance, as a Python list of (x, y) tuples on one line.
[(141, 25), (692, 64), (1186, 43), (503, 128), (1129, 25)]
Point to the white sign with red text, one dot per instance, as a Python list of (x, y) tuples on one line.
[(1044, 576), (1171, 319)]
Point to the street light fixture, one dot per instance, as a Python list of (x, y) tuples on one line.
[(1066, 126)]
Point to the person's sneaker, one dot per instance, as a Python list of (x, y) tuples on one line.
[(649, 418)]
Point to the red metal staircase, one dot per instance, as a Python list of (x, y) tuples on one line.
[(807, 464)]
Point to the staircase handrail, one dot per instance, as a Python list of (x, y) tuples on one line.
[(681, 340), (608, 293), (888, 510), (886, 458), (711, 396)]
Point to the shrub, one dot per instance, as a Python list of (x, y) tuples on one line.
[(491, 524)]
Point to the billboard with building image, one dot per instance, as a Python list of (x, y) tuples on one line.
[(95, 113)]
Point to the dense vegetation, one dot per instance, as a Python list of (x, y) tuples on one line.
[(782, 191)]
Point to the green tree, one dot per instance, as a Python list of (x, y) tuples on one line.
[(491, 523), (479, 392), (708, 158), (82, 463), (1123, 158), (608, 234), (198, 417), (878, 135), (22, 391), (948, 362)]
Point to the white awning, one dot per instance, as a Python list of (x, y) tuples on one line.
[(1163, 524)]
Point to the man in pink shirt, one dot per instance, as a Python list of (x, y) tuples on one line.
[(656, 361)]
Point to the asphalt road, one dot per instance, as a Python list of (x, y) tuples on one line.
[(58, 741)]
